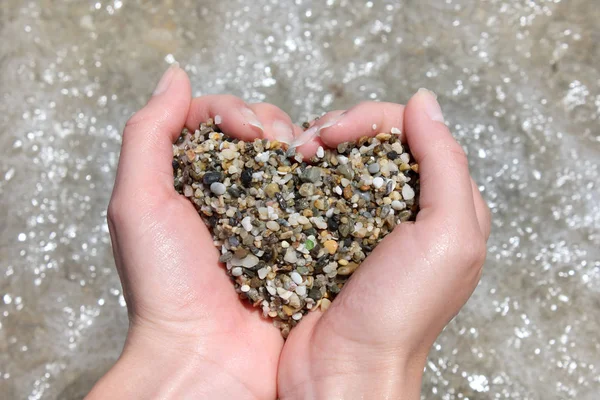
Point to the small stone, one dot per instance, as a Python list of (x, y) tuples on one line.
[(301, 291), (325, 304), (237, 271), (245, 288), (392, 155), (408, 193), (294, 301), (246, 177), (373, 168), (378, 182), (218, 188), (346, 229), (271, 189), (290, 256), (247, 224), (348, 192), (297, 316), (395, 131), (320, 152), (262, 273), (296, 277), (347, 269), (289, 311), (398, 205), (226, 257), (311, 174), (307, 190), (250, 261), (211, 177), (331, 246), (315, 293), (272, 225), (346, 171)]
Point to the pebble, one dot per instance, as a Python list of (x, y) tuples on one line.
[(247, 224), (296, 277), (398, 205), (218, 188), (301, 291), (320, 152), (245, 288), (271, 189), (331, 246), (211, 177), (297, 316), (290, 256), (272, 225), (374, 168), (325, 304), (311, 174), (408, 193), (262, 273), (237, 271), (378, 182)]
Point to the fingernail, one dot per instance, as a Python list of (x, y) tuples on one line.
[(282, 131), (251, 118), (432, 107), (166, 79), (306, 136)]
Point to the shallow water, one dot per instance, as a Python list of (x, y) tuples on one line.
[(519, 84)]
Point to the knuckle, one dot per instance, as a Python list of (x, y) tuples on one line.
[(115, 212)]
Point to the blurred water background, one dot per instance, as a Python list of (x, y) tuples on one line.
[(519, 82)]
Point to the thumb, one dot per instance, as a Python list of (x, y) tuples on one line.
[(146, 153)]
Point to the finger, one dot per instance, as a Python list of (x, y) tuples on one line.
[(230, 113), (277, 124), (146, 153), (307, 142), (443, 166), (364, 119), (482, 210)]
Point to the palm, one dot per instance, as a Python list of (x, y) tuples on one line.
[(199, 298)]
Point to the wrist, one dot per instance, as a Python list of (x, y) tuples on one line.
[(377, 378), (166, 368)]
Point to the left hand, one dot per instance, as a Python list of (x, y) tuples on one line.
[(190, 336)]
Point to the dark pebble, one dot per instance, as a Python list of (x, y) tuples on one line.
[(392, 155), (246, 177), (175, 165), (226, 257), (212, 177), (234, 192), (332, 224), (281, 201), (234, 241), (315, 294)]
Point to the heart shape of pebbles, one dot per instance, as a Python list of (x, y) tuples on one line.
[(291, 232)]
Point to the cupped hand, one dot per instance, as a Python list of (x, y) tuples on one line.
[(190, 335), (374, 339)]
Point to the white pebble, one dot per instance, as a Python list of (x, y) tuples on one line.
[(338, 190), (218, 119), (297, 316), (408, 193), (345, 182), (247, 224), (272, 225), (237, 271), (284, 294), (301, 291), (285, 244), (290, 256), (302, 220), (262, 157), (296, 277), (398, 205), (395, 131), (343, 160), (320, 152), (271, 290), (217, 188), (377, 182), (250, 261), (262, 273), (245, 288)]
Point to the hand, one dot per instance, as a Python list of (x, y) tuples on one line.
[(374, 339), (190, 336)]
